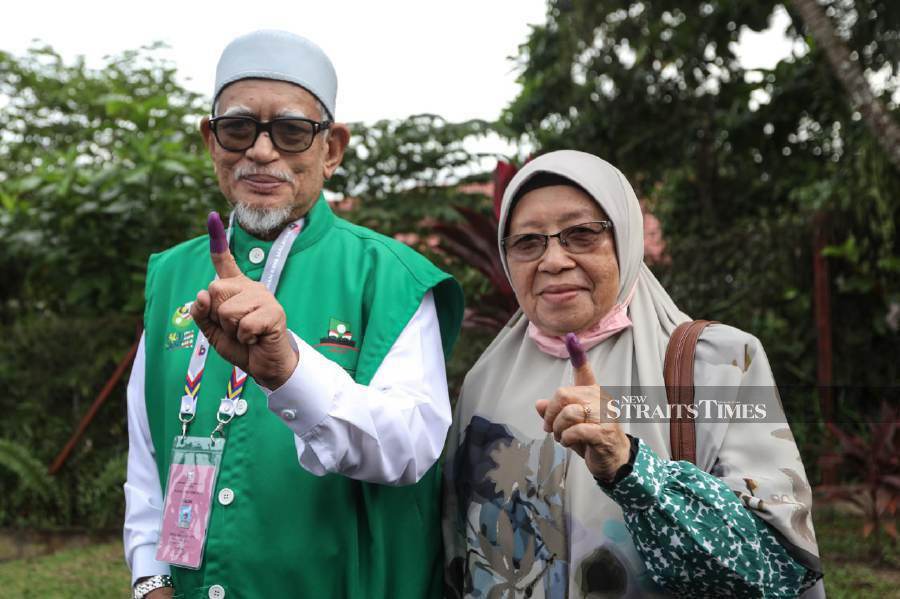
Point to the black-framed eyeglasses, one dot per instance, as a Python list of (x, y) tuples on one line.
[(577, 239), (288, 134)]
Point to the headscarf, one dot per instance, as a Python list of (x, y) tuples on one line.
[(497, 444), (652, 312)]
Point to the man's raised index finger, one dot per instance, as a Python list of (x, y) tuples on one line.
[(583, 373), (221, 257)]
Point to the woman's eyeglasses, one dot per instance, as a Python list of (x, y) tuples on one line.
[(577, 239), (288, 134)]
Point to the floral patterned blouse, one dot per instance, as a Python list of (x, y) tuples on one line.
[(696, 537)]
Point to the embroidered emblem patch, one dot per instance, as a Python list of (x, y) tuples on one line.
[(183, 340), (182, 316), (339, 336)]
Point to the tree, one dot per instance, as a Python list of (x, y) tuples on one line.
[(406, 171), (847, 70)]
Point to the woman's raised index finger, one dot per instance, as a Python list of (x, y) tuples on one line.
[(583, 373)]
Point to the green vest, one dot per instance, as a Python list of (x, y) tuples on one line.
[(288, 533)]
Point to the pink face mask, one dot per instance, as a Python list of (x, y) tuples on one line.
[(615, 321)]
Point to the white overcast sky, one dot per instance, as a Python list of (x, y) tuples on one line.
[(393, 57)]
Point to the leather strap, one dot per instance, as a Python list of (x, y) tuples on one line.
[(678, 373)]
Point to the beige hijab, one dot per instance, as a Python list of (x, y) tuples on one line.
[(525, 516), (652, 312)]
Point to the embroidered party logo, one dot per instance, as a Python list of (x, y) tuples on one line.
[(339, 336), (182, 316), (182, 340), (181, 319)]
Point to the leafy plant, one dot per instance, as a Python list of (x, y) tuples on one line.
[(99, 168), (875, 459), (31, 473), (399, 176), (474, 242), (105, 489), (29, 491)]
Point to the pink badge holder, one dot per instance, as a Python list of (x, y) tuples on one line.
[(193, 471)]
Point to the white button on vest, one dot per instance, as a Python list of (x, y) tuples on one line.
[(216, 591), (240, 407), (288, 414), (257, 255), (226, 496)]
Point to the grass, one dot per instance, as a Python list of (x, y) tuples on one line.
[(99, 570), (95, 571), (850, 570)]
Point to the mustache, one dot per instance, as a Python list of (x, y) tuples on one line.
[(248, 171)]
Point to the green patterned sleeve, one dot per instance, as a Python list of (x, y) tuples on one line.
[(697, 539)]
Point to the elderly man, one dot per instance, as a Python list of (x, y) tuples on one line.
[(296, 336)]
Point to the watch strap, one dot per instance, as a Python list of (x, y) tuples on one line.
[(145, 585)]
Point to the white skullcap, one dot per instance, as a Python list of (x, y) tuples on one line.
[(279, 55)]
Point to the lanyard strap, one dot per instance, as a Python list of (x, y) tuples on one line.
[(270, 278)]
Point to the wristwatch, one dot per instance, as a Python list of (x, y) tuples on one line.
[(145, 585)]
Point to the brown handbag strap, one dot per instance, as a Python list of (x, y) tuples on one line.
[(678, 373)]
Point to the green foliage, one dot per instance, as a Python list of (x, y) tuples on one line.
[(100, 168), (105, 490), (42, 412), (474, 242), (405, 174), (737, 164), (30, 489), (31, 473)]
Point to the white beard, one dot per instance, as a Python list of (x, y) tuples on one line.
[(262, 222)]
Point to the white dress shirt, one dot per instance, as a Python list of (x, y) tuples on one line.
[(390, 431)]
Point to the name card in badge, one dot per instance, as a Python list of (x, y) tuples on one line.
[(193, 471)]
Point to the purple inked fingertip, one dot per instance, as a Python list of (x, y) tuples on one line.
[(576, 352), (218, 243)]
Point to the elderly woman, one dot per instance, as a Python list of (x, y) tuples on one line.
[(554, 488)]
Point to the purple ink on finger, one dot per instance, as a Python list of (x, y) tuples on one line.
[(576, 352), (218, 243)]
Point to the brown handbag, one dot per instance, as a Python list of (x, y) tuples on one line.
[(678, 373)]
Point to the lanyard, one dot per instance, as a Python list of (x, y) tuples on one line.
[(270, 277)]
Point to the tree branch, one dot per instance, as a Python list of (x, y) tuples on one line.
[(851, 76)]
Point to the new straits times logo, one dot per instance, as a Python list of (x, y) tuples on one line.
[(637, 407)]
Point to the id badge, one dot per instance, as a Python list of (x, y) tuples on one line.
[(193, 470)]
